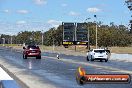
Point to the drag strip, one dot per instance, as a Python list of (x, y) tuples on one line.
[(50, 72)]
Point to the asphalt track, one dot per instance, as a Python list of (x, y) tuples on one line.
[(50, 72)]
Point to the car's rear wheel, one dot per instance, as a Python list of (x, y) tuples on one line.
[(106, 60), (24, 56), (38, 57)]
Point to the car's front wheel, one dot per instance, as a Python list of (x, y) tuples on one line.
[(87, 58)]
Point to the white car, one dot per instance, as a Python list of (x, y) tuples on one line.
[(98, 54)]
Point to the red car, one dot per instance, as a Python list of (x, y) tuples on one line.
[(32, 51)]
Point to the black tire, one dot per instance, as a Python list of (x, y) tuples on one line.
[(38, 57), (106, 60), (87, 58), (24, 56)]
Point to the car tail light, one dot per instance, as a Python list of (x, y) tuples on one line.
[(27, 52)]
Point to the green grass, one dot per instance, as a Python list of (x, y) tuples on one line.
[(9, 44)]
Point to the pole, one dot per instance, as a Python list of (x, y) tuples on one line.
[(88, 35), (96, 36), (53, 40), (88, 39), (75, 37), (3, 41), (53, 44), (42, 39), (96, 33), (11, 40)]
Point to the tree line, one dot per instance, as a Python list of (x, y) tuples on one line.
[(108, 35)]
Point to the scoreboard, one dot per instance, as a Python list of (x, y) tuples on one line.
[(68, 33), (81, 32), (75, 34)]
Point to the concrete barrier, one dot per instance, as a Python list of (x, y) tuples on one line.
[(6, 81)]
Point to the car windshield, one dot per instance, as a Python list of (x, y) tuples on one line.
[(99, 51), (33, 47)]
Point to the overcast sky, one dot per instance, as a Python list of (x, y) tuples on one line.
[(33, 15)]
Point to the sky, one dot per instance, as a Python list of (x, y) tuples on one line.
[(40, 15)]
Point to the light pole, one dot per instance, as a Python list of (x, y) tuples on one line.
[(42, 36), (42, 39), (96, 33), (53, 39), (11, 40), (53, 44), (88, 36)]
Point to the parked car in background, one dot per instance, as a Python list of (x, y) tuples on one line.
[(98, 54), (32, 51)]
